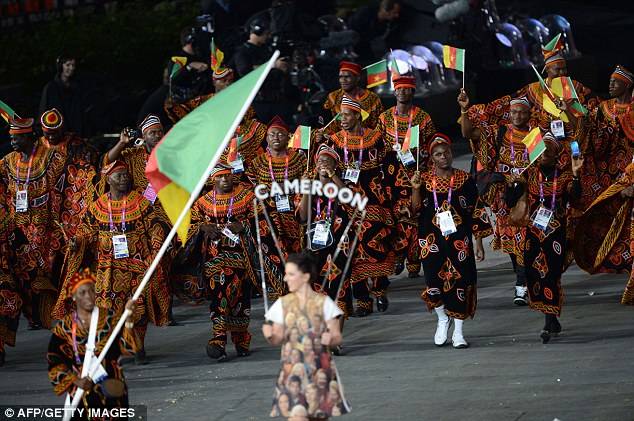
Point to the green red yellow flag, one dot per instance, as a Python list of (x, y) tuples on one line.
[(394, 69), (534, 144), (453, 58), (216, 56), (548, 98), (180, 164), (377, 74), (179, 63), (301, 138), (564, 88), (234, 144), (555, 44), (6, 112), (411, 138)]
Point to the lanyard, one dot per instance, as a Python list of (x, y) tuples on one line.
[(345, 149), (268, 154), (541, 191), (229, 212), (409, 124), (74, 335), (28, 172), (433, 183), (123, 226), (329, 209)]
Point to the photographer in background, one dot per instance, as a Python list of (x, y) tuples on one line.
[(254, 51), (194, 79)]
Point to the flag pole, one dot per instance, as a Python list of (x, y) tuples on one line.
[(170, 236), (260, 256), (349, 260), (464, 67), (370, 65)]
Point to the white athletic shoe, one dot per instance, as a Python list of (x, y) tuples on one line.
[(440, 338), (521, 296)]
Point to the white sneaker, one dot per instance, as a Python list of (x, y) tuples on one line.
[(521, 296), (440, 338)]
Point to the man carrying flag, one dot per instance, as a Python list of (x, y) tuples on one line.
[(500, 150), (397, 125), (349, 77), (548, 190)]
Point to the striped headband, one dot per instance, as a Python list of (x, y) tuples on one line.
[(222, 73), (550, 138), (555, 58), (80, 278), (623, 74), (219, 170), (113, 168), (521, 101), (351, 104), (21, 126), (327, 150), (51, 120), (150, 122)]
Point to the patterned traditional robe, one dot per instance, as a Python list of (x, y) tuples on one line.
[(449, 261), (34, 235), (63, 368), (10, 299), (607, 245), (228, 271), (117, 279), (285, 224), (545, 251), (374, 257), (369, 101), (506, 237), (406, 238), (339, 219)]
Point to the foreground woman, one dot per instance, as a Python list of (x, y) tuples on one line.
[(67, 350), (305, 323)]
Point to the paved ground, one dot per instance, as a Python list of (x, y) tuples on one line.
[(392, 370)]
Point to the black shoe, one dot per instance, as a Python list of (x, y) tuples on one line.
[(361, 312), (140, 358), (35, 325), (2, 358), (242, 351), (413, 275), (337, 350), (545, 335), (216, 352), (173, 322), (399, 268), (382, 304), (555, 327)]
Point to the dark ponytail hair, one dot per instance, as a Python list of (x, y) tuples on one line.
[(306, 263)]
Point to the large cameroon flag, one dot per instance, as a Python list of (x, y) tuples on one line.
[(180, 164)]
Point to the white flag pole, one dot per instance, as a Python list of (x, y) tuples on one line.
[(68, 412)]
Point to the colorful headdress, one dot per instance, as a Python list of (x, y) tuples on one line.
[(623, 74), (21, 125), (327, 150), (222, 72), (439, 139), (82, 277), (404, 82), (351, 104), (549, 138), (521, 101), (220, 169), (150, 122), (552, 51), (51, 120), (113, 167), (348, 66), (278, 123)]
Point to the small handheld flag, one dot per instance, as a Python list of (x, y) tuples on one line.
[(301, 138), (534, 144), (411, 138), (216, 56), (453, 58), (234, 144), (377, 74), (394, 69), (179, 63), (564, 87), (6, 112)]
